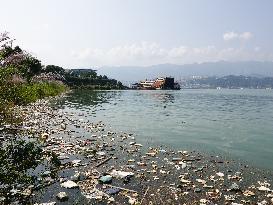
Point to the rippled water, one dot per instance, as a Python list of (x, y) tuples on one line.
[(236, 123)]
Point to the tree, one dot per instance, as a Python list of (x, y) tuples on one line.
[(15, 57), (54, 69)]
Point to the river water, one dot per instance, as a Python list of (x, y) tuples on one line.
[(233, 123)]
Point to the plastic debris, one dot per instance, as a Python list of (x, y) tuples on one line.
[(62, 196), (69, 184), (121, 174)]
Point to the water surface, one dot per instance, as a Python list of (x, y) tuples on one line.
[(236, 123)]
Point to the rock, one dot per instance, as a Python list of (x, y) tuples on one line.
[(263, 188), (203, 201), (121, 174), (269, 195), (48, 180), (112, 191), (111, 200), (185, 181), (44, 136), (262, 202), (63, 126), (138, 145), (48, 203), (76, 162), (234, 187), (220, 174), (100, 153), (201, 181), (62, 196), (106, 179), (27, 192), (183, 165), (176, 159), (62, 179), (197, 190), (78, 177), (2, 200), (151, 154), (248, 193), (131, 160), (229, 197), (46, 173), (69, 184), (63, 156), (199, 169)]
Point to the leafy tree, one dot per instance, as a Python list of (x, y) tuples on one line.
[(30, 66), (54, 69)]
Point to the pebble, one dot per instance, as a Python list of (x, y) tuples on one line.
[(106, 179), (234, 187), (112, 191), (263, 188)]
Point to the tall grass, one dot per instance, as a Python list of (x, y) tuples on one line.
[(24, 93)]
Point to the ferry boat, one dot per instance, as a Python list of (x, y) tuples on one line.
[(162, 83)]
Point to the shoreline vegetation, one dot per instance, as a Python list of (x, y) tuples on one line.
[(48, 156), (23, 81)]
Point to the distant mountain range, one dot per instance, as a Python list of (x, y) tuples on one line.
[(230, 81), (221, 68)]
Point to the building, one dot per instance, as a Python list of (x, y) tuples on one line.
[(161, 83)]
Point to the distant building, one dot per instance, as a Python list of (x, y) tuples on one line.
[(162, 83)]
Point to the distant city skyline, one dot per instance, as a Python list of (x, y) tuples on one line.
[(88, 33)]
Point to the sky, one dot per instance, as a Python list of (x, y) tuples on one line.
[(88, 33)]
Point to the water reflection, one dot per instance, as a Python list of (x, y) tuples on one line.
[(163, 97), (84, 99)]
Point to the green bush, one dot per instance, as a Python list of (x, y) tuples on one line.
[(22, 94)]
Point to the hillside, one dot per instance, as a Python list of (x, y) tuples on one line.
[(221, 68)]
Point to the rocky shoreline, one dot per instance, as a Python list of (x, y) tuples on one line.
[(102, 166)]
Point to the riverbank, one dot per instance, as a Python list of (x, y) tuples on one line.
[(100, 165)]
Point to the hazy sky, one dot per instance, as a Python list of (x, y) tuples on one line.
[(84, 33)]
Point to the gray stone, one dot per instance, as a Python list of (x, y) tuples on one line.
[(197, 190), (234, 187), (46, 173), (106, 179)]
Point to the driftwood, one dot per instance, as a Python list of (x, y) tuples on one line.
[(124, 189), (104, 161), (145, 194)]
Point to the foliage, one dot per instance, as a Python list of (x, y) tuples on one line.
[(90, 80), (7, 114), (54, 69), (22, 94), (14, 161), (19, 155), (17, 158)]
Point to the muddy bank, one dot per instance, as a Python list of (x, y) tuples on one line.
[(103, 166)]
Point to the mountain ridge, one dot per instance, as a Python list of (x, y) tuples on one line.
[(220, 68)]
